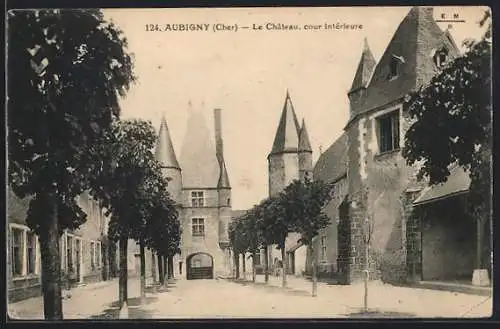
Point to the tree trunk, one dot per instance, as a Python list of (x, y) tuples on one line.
[(143, 272), (122, 281), (153, 267), (170, 263), (165, 271), (112, 259), (161, 274), (367, 275), (236, 257), (105, 258), (266, 264), (314, 272), (51, 265), (479, 243), (244, 266), (254, 271), (283, 266)]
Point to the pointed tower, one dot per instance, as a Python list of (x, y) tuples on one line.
[(361, 79), (223, 186), (165, 154), (305, 153), (283, 160)]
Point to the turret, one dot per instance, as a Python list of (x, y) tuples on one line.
[(223, 185), (283, 160), (165, 154), (361, 79), (305, 153)]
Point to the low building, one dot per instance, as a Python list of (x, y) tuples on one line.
[(83, 252)]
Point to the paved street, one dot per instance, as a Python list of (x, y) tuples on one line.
[(227, 299)]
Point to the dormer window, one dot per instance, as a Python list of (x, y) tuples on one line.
[(395, 66), (440, 57)]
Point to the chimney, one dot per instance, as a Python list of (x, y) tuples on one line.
[(218, 135)]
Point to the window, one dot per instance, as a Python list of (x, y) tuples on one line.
[(17, 251), (197, 199), (228, 201), (394, 66), (92, 255), (323, 248), (389, 132), (198, 227), (69, 254), (31, 256), (440, 57)]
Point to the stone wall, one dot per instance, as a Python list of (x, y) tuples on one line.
[(377, 183)]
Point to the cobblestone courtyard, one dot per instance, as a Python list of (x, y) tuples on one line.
[(227, 299)]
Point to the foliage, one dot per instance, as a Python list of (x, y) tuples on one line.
[(122, 187), (303, 203), (57, 113), (453, 121)]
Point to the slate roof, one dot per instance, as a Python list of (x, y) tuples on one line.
[(198, 160), (165, 152), (332, 163), (413, 43), (287, 134), (365, 68), (304, 142), (223, 177), (458, 183)]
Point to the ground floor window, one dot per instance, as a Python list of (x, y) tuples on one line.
[(31, 256), (17, 251), (23, 251), (92, 255)]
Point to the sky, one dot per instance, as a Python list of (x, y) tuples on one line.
[(246, 73)]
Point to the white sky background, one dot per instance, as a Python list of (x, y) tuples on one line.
[(246, 73)]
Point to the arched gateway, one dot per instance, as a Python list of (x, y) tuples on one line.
[(199, 266)]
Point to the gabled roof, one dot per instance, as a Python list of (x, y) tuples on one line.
[(200, 167), (458, 182), (287, 134), (412, 44), (165, 152), (304, 143), (332, 163), (365, 68)]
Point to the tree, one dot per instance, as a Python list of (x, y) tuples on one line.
[(67, 69), (121, 185), (275, 226), (251, 225), (303, 203), (239, 242), (453, 124)]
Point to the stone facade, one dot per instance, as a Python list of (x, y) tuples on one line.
[(373, 212), (82, 251), (199, 183)]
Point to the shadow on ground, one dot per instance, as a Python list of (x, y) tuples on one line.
[(158, 289), (379, 314), (271, 288), (135, 310)]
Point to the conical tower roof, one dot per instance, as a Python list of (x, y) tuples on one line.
[(224, 177), (365, 68), (200, 167), (165, 152), (304, 143), (287, 134)]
